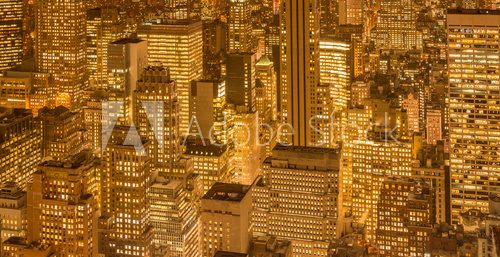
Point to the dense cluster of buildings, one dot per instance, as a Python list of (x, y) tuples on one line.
[(249, 128)]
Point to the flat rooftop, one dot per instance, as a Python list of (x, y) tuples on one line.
[(124, 41), (473, 11), (227, 192), (229, 254)]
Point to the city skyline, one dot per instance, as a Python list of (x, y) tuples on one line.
[(250, 128)]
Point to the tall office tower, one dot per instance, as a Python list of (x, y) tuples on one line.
[(434, 124), (62, 211), (329, 16), (174, 219), (182, 9), (211, 162), (297, 198), (359, 120), (156, 115), (226, 219), (354, 34), (404, 217), (12, 211), (104, 25), (11, 33), (245, 152), (127, 58), (266, 78), (335, 70), (214, 48), (412, 106), (299, 44), (63, 132), (177, 45), (240, 26), (126, 180), (351, 12), (20, 140), (207, 104), (240, 80), (372, 162), (60, 45), (93, 119), (432, 169), (273, 40), (474, 163), (396, 27)]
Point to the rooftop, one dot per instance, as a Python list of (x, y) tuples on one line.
[(127, 40), (207, 150), (229, 254), (473, 11), (227, 192)]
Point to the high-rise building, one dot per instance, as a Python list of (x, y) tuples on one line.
[(104, 25), (299, 44), (127, 58), (412, 106), (473, 65), (177, 45), (11, 33), (207, 103), (240, 80), (60, 45), (335, 70), (63, 132), (12, 211), (396, 26), (298, 198), (226, 219), (211, 162), (20, 141), (404, 217), (156, 115), (434, 124), (126, 180), (174, 219), (372, 162), (351, 12), (266, 81), (62, 211), (240, 26), (214, 48)]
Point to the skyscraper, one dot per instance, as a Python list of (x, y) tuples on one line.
[(62, 211), (177, 45), (62, 132), (20, 140), (127, 58), (297, 198), (174, 219), (60, 45), (335, 70), (396, 27), (473, 65), (126, 180), (156, 115), (225, 219), (240, 80), (104, 25), (11, 33), (240, 26), (299, 44)]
